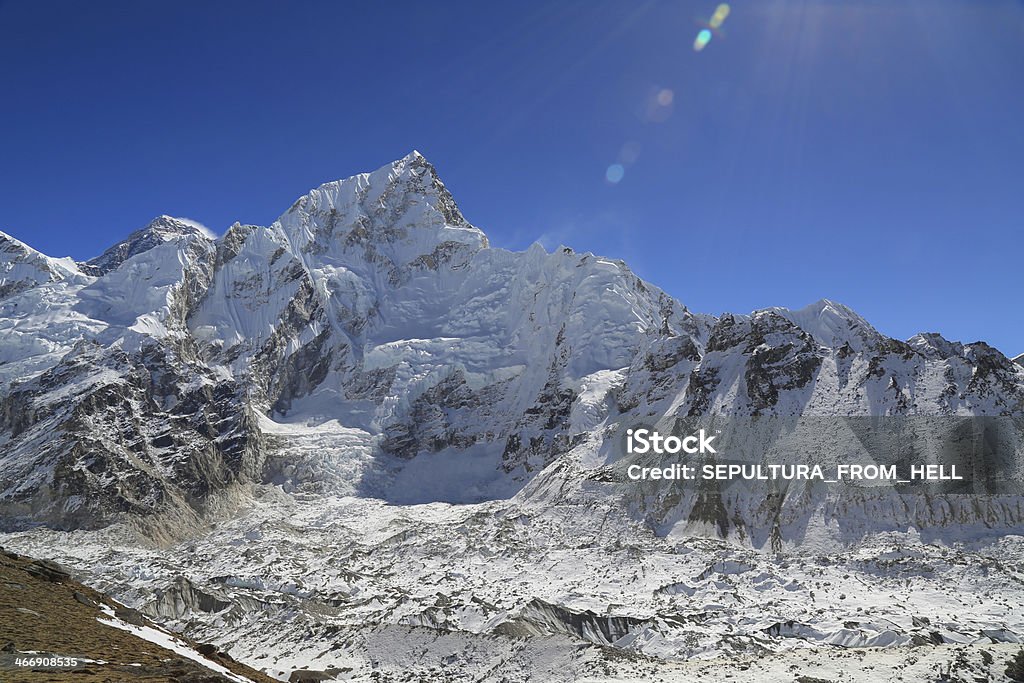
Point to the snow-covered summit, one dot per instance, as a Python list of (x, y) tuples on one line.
[(401, 212), (160, 230), (22, 267), (832, 324)]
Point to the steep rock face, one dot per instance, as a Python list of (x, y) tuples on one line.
[(371, 336), (105, 407), (112, 432)]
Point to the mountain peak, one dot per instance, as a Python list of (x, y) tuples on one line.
[(22, 267), (161, 229), (831, 323), (170, 227), (402, 209), (934, 345)]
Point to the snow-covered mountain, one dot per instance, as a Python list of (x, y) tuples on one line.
[(370, 341), (370, 346)]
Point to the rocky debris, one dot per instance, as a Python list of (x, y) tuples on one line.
[(540, 617), (446, 592), (47, 570), (312, 676), (84, 599), (1015, 667)]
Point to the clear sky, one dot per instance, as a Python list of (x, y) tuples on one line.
[(870, 152)]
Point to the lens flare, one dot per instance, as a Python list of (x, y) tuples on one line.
[(614, 173), (712, 27), (720, 15), (665, 97), (703, 38)]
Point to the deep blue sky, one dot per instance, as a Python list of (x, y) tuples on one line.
[(868, 152)]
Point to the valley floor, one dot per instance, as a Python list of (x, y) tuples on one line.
[(510, 591)]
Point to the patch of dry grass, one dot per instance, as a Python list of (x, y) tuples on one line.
[(43, 610)]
